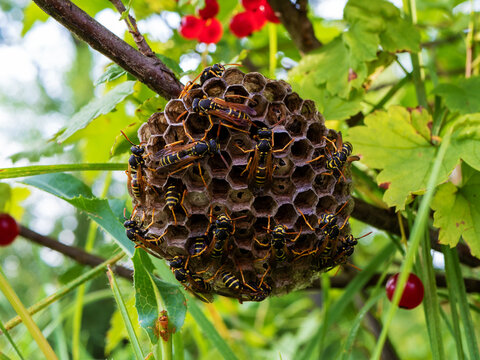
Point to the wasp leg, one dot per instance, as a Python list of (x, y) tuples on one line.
[(305, 219), (247, 167), (284, 148), (182, 168)]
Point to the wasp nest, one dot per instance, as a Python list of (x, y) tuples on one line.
[(234, 217)]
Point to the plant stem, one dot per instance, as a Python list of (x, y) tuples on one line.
[(10, 173), (272, 34), (65, 290), (415, 237), (20, 309)]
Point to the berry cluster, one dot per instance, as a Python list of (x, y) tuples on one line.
[(206, 28), (255, 16)]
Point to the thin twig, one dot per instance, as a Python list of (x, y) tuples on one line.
[(72, 252), (388, 221), (151, 71), (133, 29)]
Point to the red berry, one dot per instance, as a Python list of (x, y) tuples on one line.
[(8, 229), (412, 295), (258, 19), (252, 4), (210, 10), (212, 32), (269, 14), (241, 24), (191, 27)]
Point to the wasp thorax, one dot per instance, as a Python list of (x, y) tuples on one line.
[(242, 188)]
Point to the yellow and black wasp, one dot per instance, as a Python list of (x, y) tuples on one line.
[(192, 282), (238, 115), (138, 233), (278, 242), (183, 156), (260, 167), (216, 70), (136, 181), (173, 199), (338, 158)]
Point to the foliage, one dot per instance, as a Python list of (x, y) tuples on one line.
[(394, 80)]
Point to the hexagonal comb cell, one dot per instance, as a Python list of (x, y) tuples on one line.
[(173, 110), (233, 76), (214, 87), (264, 205), (196, 125), (277, 113), (254, 82), (301, 150), (274, 91), (293, 102), (302, 176), (315, 134), (296, 183), (296, 125)]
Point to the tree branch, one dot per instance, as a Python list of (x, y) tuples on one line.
[(149, 70), (72, 252), (294, 17), (387, 220)]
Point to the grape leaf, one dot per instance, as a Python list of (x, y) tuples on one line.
[(75, 192), (463, 97), (457, 211), (390, 141), (146, 300), (112, 72), (35, 153), (95, 108)]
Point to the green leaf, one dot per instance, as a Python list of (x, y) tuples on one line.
[(146, 300), (125, 316), (463, 97), (31, 14), (466, 139), (171, 64), (400, 36), (75, 192), (35, 153), (112, 72), (362, 42), (150, 106), (457, 211), (24, 171), (402, 154), (95, 108)]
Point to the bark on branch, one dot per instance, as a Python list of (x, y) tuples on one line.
[(149, 70), (294, 17)]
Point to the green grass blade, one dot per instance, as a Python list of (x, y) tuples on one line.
[(325, 310), (42, 304), (430, 302), (126, 317), (11, 341), (415, 237), (347, 297), (210, 332), (178, 348), (16, 172), (452, 265), (347, 348), (20, 309)]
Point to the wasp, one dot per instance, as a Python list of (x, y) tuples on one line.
[(216, 70), (277, 242), (199, 245), (237, 115), (192, 282), (184, 156), (134, 173), (172, 199), (260, 166), (230, 280), (260, 291), (339, 158), (139, 234)]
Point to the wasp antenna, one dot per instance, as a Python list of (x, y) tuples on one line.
[(126, 137)]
